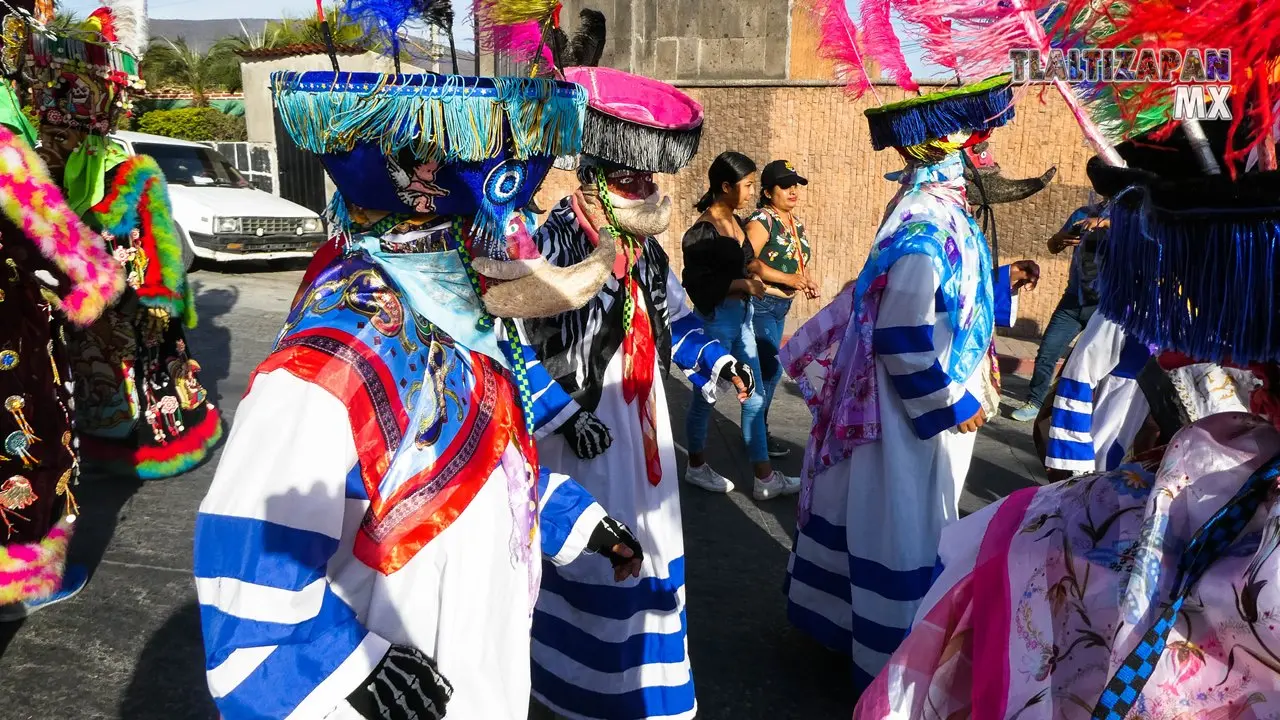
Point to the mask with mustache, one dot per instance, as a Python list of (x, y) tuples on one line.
[(527, 286), (639, 216)]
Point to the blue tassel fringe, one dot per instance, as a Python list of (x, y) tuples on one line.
[(1200, 282), (447, 118), (920, 123)]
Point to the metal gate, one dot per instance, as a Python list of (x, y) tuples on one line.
[(301, 173)]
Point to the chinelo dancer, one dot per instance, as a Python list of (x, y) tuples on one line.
[(1172, 554), (895, 371), (139, 403), (54, 277), (373, 541), (600, 651)]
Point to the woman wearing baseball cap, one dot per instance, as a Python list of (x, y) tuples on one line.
[(782, 254)]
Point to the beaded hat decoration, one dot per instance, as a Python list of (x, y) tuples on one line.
[(86, 80)]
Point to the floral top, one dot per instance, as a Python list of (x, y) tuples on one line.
[(783, 252)]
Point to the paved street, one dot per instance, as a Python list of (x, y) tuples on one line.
[(129, 646)]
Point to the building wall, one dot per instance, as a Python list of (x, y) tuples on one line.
[(693, 39), (825, 135)]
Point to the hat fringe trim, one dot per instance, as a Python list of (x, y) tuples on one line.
[(437, 117), (638, 146), (1200, 282), (916, 122)]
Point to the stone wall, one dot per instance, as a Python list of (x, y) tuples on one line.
[(825, 135)]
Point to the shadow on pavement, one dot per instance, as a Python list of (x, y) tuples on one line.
[(169, 680), (211, 340)]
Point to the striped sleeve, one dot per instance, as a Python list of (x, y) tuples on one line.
[(701, 358), (1097, 353), (903, 340), (1006, 302), (552, 405), (279, 643), (567, 516)]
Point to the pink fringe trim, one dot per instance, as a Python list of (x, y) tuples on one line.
[(30, 200), (33, 571)]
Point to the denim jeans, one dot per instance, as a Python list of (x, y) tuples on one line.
[(769, 317), (1067, 322), (731, 325)]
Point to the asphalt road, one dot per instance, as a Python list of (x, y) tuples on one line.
[(129, 646)]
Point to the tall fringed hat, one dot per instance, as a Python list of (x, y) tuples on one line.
[(636, 122), (407, 144), (977, 107), (1192, 261), (86, 80)]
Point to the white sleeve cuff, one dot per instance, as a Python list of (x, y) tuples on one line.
[(576, 543)]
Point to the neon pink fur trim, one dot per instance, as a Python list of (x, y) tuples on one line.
[(30, 200), (34, 570)]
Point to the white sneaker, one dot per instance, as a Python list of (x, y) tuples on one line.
[(776, 485), (708, 479)]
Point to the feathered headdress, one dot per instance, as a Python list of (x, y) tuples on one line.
[(520, 29)]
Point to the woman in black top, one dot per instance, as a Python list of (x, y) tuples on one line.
[(716, 279)]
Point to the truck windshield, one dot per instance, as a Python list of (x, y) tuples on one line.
[(191, 165)]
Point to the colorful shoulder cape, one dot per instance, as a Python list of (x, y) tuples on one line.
[(136, 209)]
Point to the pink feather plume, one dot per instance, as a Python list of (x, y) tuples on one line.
[(881, 42), (520, 41), (838, 42)]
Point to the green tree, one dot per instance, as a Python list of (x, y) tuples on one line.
[(178, 64), (308, 30), (197, 124)]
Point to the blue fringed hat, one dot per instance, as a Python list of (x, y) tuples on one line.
[(433, 144), (984, 105), (1192, 261)]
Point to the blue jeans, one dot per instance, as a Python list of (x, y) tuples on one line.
[(731, 325), (769, 317), (1067, 321)]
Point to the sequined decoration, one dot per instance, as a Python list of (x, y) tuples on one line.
[(72, 473), (13, 35), (15, 494), (8, 360), (15, 404), (18, 445)]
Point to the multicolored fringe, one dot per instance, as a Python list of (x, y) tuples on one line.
[(139, 200), (32, 202), (438, 117), (1200, 282), (155, 462), (33, 571), (980, 106), (637, 146)]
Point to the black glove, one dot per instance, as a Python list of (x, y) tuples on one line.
[(587, 435), (610, 532), (741, 370), (404, 686)]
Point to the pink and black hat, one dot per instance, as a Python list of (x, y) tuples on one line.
[(636, 122)]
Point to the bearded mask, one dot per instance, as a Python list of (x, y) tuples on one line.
[(638, 207)]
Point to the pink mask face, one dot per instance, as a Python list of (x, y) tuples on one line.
[(520, 245), (632, 185), (981, 156)]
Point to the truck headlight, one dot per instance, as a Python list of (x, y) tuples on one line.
[(226, 225), (311, 225)]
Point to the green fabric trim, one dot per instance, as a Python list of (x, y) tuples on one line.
[(992, 83), (12, 117), (85, 177)]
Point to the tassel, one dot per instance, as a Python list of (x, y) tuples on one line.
[(981, 106)]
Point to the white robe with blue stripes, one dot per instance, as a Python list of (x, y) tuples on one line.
[(293, 622), (1099, 408), (603, 651), (865, 559)]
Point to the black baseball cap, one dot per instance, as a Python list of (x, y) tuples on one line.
[(780, 173)]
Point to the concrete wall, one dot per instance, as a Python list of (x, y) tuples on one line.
[(693, 39), (825, 135)]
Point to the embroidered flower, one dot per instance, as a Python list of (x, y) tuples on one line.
[(1127, 482)]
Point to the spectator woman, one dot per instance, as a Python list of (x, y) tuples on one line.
[(716, 255), (781, 251)]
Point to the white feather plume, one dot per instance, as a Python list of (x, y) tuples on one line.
[(131, 24)]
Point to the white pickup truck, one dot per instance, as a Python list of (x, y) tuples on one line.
[(220, 215)]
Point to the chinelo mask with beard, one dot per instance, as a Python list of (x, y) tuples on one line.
[(527, 286), (639, 207)]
